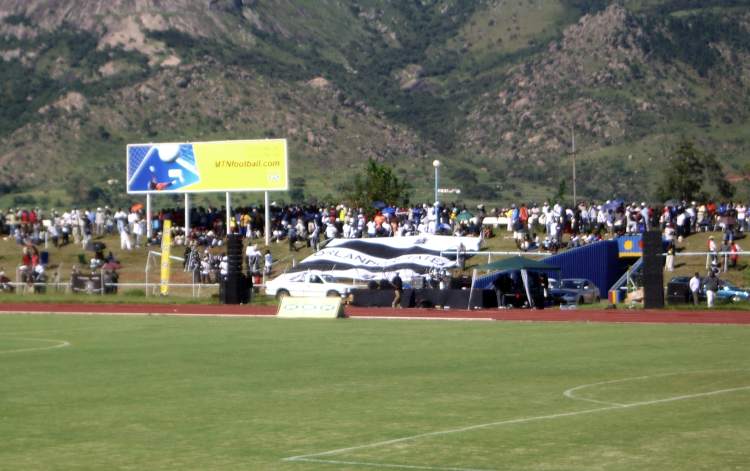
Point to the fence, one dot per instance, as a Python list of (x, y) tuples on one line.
[(95, 286)]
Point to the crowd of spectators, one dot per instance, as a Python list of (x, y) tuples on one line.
[(546, 227)]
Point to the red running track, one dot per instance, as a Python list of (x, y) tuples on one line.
[(550, 315)]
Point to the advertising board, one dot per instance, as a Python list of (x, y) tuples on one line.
[(219, 166), (310, 308)]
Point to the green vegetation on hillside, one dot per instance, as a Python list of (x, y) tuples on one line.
[(490, 88), (62, 60)]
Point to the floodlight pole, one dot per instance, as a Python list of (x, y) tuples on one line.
[(148, 216), (187, 215), (573, 142), (436, 164)]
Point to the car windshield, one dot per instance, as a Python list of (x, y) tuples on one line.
[(328, 278), (571, 284)]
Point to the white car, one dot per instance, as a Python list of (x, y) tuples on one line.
[(308, 283)]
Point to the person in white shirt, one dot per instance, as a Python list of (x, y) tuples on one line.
[(253, 258), (347, 230), (267, 263), (125, 238), (741, 215), (331, 231), (75, 226), (138, 232), (695, 287), (120, 217), (132, 219), (99, 222), (712, 256)]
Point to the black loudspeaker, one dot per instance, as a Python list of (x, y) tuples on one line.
[(235, 289), (653, 270), (234, 254), (234, 286)]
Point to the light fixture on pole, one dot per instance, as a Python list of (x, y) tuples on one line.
[(436, 164)]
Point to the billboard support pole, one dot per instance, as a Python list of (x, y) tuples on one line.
[(229, 212), (187, 215), (267, 216), (148, 216)]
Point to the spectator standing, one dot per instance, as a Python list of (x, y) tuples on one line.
[(669, 266), (711, 257), (712, 286), (125, 238), (695, 287), (267, 263), (253, 257), (398, 287), (315, 238), (734, 250)]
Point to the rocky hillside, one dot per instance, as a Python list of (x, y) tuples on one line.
[(495, 88), (619, 83)]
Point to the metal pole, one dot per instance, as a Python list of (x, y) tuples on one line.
[(148, 265), (267, 228), (436, 164), (187, 215), (573, 134), (148, 216), (229, 211)]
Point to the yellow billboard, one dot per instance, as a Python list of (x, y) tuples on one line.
[(244, 165)]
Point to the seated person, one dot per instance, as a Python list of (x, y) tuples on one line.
[(5, 282)]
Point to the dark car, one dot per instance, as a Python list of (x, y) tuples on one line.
[(678, 291)]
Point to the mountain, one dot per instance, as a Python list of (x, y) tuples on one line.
[(495, 89)]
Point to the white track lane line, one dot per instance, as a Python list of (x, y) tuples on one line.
[(494, 424), (58, 344)]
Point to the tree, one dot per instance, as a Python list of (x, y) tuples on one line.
[(297, 192), (562, 192), (377, 183), (688, 171)]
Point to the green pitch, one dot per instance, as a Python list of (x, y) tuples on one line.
[(166, 393)]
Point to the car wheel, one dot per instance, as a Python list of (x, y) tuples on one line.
[(333, 294), (282, 293), (598, 298)]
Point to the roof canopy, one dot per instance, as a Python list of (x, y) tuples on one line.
[(517, 263)]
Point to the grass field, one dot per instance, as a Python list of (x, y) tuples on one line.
[(163, 393)]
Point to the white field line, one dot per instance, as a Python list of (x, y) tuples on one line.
[(405, 318), (521, 420), (385, 465), (570, 392), (58, 344)]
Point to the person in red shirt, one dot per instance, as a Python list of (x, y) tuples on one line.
[(523, 214)]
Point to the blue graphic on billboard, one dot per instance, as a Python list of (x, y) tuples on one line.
[(161, 167)]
